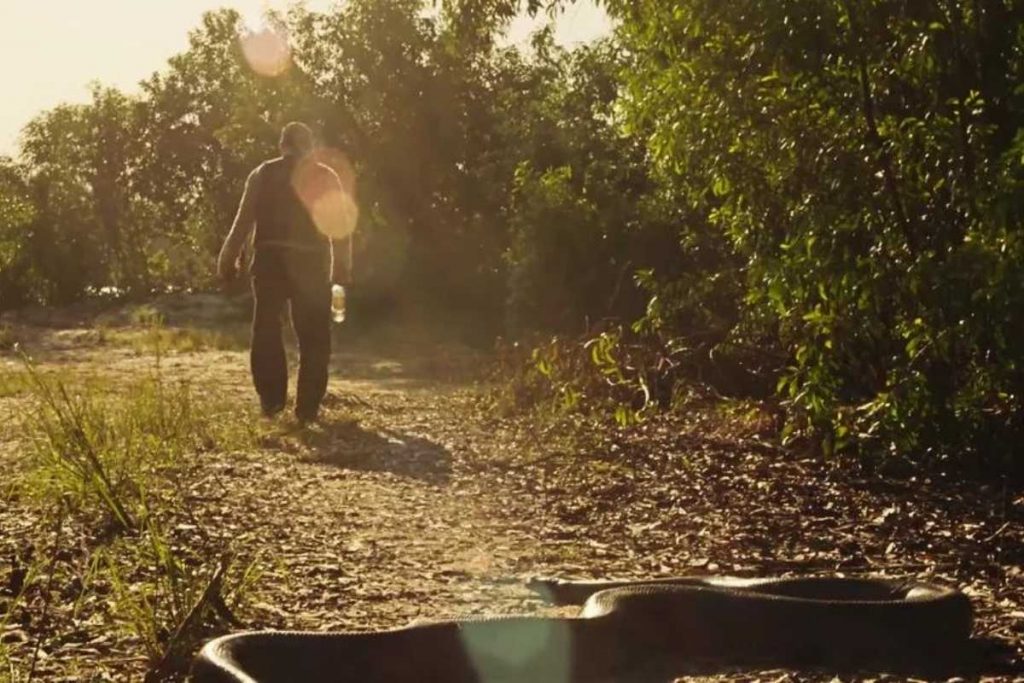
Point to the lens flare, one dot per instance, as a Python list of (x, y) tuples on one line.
[(337, 161), (519, 649), (267, 50), (325, 184)]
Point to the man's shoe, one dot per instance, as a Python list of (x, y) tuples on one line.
[(271, 410)]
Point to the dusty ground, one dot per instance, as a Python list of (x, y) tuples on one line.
[(413, 499)]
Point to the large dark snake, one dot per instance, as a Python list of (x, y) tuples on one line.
[(623, 627)]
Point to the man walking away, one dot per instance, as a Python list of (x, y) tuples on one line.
[(293, 261)]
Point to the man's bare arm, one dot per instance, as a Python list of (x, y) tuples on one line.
[(245, 221), (336, 214)]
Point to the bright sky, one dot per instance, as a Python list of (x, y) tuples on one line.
[(52, 49)]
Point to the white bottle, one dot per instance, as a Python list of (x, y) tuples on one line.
[(338, 303)]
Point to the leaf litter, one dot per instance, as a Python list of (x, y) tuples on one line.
[(414, 500)]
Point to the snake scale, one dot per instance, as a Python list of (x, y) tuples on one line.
[(623, 627)]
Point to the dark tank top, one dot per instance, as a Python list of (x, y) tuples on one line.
[(287, 240)]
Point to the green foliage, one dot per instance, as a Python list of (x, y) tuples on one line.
[(620, 372), (585, 216), (99, 449), (112, 460), (17, 214), (863, 160), (163, 594), (131, 194), (820, 197)]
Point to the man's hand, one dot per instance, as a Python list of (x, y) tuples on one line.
[(245, 221)]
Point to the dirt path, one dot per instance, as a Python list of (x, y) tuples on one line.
[(411, 500), (376, 516)]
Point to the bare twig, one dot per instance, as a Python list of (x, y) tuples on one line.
[(225, 613), (208, 597), (996, 534)]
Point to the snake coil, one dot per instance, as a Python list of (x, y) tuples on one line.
[(622, 627)]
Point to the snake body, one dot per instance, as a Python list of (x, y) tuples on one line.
[(622, 627)]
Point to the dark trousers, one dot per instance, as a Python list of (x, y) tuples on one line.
[(310, 294)]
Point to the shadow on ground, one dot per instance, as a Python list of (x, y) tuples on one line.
[(346, 445)]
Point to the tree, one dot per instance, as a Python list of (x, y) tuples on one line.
[(17, 217), (860, 158)]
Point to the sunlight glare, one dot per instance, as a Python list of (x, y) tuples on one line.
[(539, 649), (334, 212), (266, 50)]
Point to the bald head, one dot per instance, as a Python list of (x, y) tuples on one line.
[(296, 139)]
